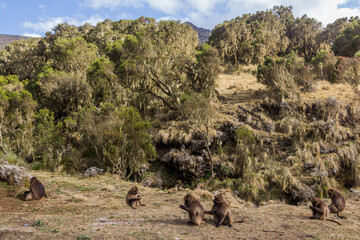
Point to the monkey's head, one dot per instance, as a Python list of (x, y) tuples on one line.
[(315, 201), (331, 192), (219, 199), (33, 180), (134, 190), (188, 199)]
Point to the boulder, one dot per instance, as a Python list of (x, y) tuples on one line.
[(13, 175), (93, 172)]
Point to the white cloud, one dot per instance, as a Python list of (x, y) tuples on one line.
[(208, 13), (166, 6), (41, 6), (166, 18), (326, 11), (2, 6), (34, 35), (44, 26)]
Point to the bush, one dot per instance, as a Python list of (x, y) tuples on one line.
[(325, 64), (347, 70), (285, 77), (111, 138)]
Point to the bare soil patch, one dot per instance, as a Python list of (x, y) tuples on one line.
[(80, 208)]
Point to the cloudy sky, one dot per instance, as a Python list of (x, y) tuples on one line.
[(35, 17)]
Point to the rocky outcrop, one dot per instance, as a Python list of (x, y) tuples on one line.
[(13, 175), (188, 165), (203, 33), (93, 172)]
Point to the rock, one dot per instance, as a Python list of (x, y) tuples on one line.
[(182, 161), (93, 172), (143, 169), (197, 146), (13, 175), (308, 166), (222, 136), (151, 182), (300, 192)]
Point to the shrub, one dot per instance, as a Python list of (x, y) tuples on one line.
[(285, 77), (325, 64), (111, 138), (347, 70)]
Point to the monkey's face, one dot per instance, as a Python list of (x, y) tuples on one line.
[(33, 180), (134, 190), (315, 202), (188, 199), (218, 199)]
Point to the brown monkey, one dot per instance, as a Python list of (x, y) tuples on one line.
[(320, 210), (221, 211), (337, 202), (133, 198), (37, 190), (194, 208)]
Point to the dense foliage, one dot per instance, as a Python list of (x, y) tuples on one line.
[(78, 97), (99, 95)]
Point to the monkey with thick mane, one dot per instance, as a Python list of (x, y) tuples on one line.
[(320, 210), (37, 190), (221, 211), (337, 202), (194, 208), (133, 198)]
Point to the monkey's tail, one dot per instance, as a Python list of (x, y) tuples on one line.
[(333, 221), (240, 221)]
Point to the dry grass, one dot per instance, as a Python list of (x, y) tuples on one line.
[(344, 92), (104, 215)]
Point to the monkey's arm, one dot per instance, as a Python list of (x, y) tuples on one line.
[(317, 210), (134, 197), (221, 220), (185, 208)]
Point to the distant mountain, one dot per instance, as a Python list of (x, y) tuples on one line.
[(202, 32), (6, 39)]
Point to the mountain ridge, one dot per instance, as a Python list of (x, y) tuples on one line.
[(203, 33), (8, 38)]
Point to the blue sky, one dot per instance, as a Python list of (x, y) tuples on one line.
[(36, 17)]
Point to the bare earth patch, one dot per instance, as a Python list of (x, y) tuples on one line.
[(78, 208)]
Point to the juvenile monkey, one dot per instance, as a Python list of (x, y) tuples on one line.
[(194, 208), (337, 202), (320, 210), (133, 198), (37, 190), (221, 211)]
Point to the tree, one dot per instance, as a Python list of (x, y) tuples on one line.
[(16, 117), (303, 37), (20, 58), (348, 42)]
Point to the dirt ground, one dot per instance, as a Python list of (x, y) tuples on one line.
[(81, 208)]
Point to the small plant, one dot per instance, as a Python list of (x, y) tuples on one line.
[(38, 223), (83, 237)]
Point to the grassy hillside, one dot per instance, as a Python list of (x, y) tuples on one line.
[(6, 39), (81, 208)]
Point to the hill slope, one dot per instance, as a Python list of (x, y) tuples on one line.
[(6, 39), (95, 208)]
